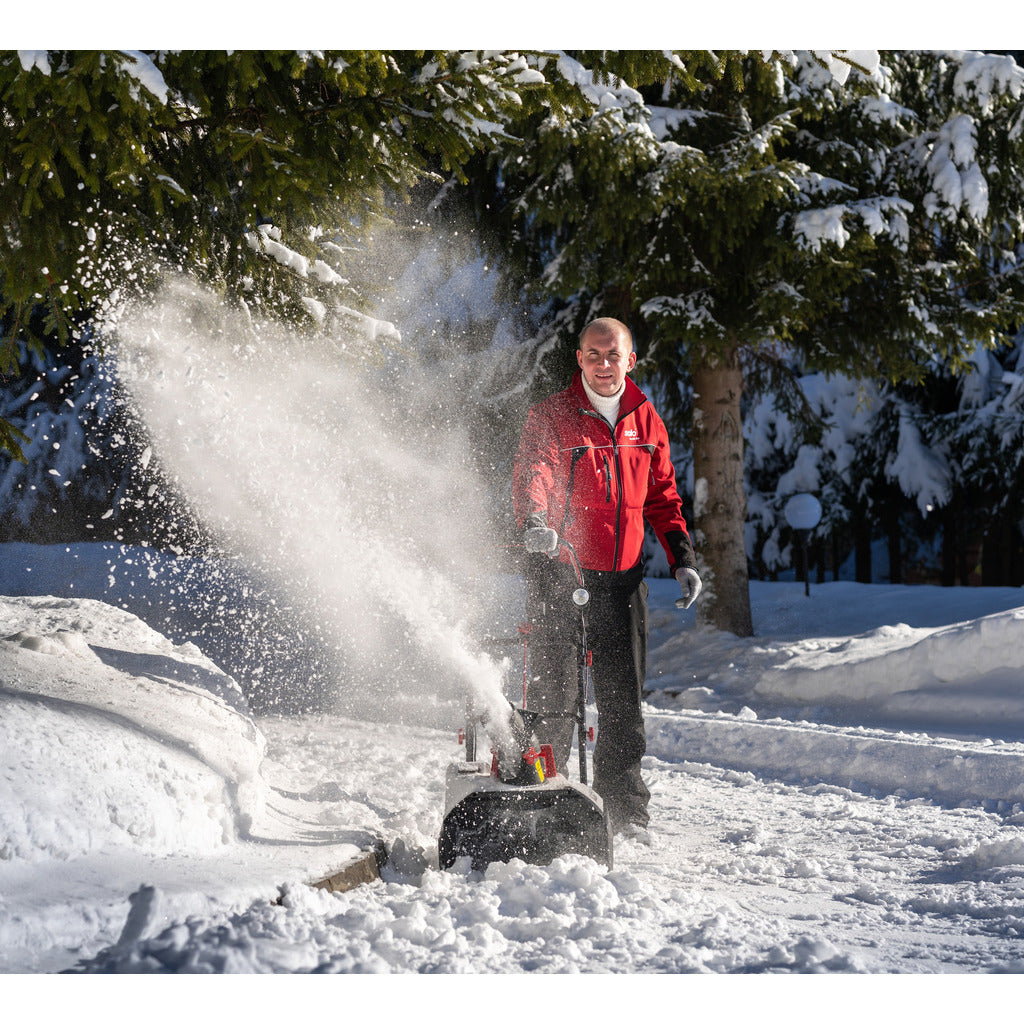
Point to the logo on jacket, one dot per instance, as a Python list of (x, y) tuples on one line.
[(631, 433)]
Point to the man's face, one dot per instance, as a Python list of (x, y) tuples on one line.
[(605, 359)]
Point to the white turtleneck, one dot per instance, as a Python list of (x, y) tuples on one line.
[(608, 406)]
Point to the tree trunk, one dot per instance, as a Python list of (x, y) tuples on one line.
[(799, 561), (894, 534), (997, 553), (950, 546), (862, 549), (720, 504)]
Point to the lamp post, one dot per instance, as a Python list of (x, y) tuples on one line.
[(803, 513)]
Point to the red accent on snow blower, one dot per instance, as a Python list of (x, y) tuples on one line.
[(590, 734), (462, 737), (495, 774), (547, 753), (590, 658)]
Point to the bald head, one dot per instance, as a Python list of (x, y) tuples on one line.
[(605, 355), (607, 326)]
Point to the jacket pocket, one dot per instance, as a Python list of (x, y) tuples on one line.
[(636, 471)]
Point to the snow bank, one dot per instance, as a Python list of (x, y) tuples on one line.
[(113, 737), (912, 672), (873, 761)]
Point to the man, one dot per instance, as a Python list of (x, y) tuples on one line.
[(593, 463)]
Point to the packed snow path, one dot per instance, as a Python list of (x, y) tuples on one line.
[(743, 874)]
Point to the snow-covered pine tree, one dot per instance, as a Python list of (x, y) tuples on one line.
[(746, 201), (973, 420), (930, 311), (813, 446), (932, 468), (252, 170)]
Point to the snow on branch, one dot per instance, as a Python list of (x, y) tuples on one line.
[(837, 63), (984, 77), (958, 184), (613, 96), (39, 59), (921, 472), (813, 228), (841, 62), (370, 328), (694, 310), (878, 215), (146, 73), (267, 238), (138, 65)]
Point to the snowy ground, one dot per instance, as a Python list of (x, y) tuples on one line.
[(841, 793)]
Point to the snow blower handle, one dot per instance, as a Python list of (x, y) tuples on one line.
[(580, 596), (542, 540)]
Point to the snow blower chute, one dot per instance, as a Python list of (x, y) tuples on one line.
[(516, 804)]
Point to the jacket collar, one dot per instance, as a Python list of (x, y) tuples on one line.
[(632, 396)]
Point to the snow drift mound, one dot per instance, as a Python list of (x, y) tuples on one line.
[(112, 737), (912, 673)]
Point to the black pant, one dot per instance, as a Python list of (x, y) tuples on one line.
[(616, 625)]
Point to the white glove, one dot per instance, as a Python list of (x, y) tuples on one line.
[(540, 540), (691, 584)]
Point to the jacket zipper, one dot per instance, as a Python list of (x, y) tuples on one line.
[(608, 483), (618, 503)]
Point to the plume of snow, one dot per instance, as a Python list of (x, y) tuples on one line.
[(325, 478)]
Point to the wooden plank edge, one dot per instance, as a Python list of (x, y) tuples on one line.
[(363, 869)]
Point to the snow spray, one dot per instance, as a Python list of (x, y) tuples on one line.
[(321, 470)]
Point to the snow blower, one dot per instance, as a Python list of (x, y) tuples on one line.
[(517, 804)]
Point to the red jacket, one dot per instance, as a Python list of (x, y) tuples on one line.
[(593, 485)]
